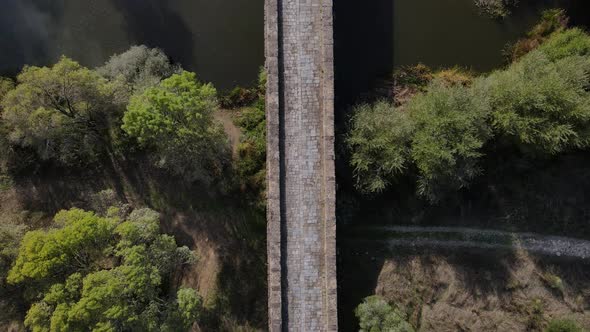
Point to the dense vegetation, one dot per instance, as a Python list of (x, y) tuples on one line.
[(493, 150), (174, 119), (138, 120), (538, 105), (107, 273)]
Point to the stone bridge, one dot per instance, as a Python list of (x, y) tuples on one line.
[(300, 165)]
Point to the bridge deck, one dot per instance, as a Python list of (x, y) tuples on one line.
[(300, 116)]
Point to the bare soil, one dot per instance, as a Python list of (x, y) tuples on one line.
[(446, 289)]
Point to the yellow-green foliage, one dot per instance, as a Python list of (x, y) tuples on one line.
[(450, 130), (61, 112), (567, 43), (376, 315), (104, 274), (379, 138), (454, 76), (563, 325), (6, 85), (539, 104), (175, 119)]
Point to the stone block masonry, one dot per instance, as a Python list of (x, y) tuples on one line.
[(300, 165)]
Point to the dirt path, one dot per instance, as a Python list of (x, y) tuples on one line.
[(232, 131), (461, 237)]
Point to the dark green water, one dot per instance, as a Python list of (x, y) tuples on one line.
[(373, 39), (221, 40), (452, 32)]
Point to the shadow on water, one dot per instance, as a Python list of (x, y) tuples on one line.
[(25, 32), (155, 24), (222, 40), (363, 48)]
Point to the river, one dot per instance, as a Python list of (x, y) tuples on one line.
[(222, 40)]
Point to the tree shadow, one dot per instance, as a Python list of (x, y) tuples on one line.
[(155, 24)]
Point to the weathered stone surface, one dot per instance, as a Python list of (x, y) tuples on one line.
[(301, 180)]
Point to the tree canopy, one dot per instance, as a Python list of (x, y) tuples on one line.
[(61, 112), (175, 118), (104, 274), (376, 315), (140, 66), (540, 105), (379, 137)]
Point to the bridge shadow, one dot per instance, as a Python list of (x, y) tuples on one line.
[(363, 52), (363, 49)]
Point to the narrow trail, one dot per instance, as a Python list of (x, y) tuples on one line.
[(462, 237)]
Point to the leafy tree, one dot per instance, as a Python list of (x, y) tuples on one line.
[(104, 274), (175, 119), (376, 315), (542, 105), (379, 140), (61, 112), (450, 131), (141, 67), (563, 325)]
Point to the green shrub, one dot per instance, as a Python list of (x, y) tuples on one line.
[(379, 140), (553, 281), (563, 325), (566, 43), (252, 148), (542, 106), (376, 315), (536, 315)]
